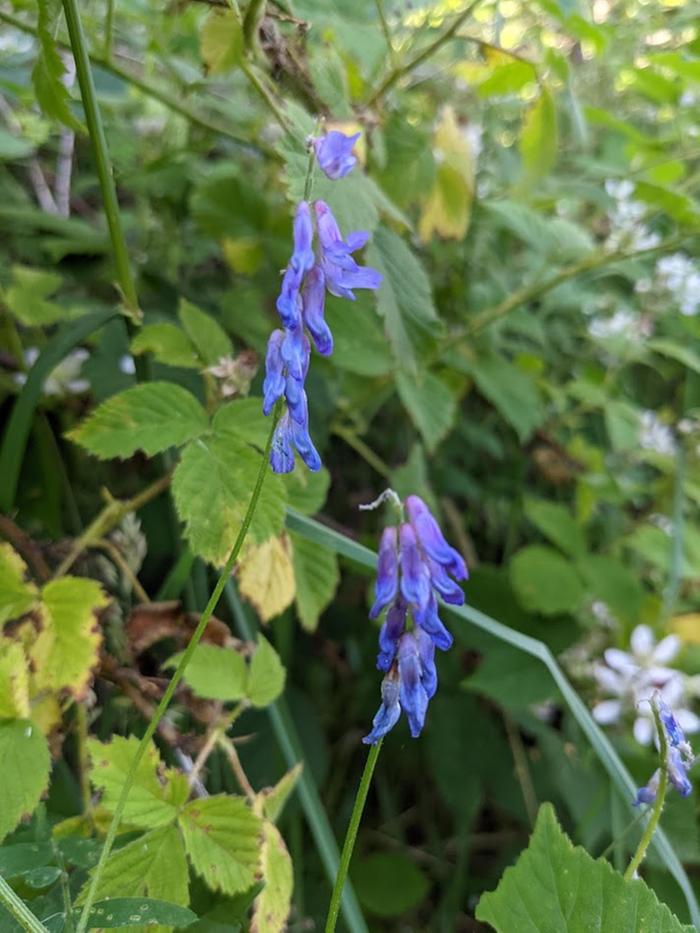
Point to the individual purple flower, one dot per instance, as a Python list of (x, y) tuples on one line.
[(409, 580), (341, 272), (288, 437), (313, 307), (334, 153), (390, 710), (302, 259), (275, 379), (679, 756)]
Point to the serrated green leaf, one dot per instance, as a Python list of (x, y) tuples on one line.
[(266, 675), (51, 93), (150, 417), (67, 647), (24, 771), (154, 865), (221, 41), (538, 140), (556, 523), (307, 490), (274, 798), (222, 838), (14, 681), (271, 907), (215, 673), (16, 595), (28, 293), (676, 351), (147, 912), (405, 298), (359, 344), (506, 78), (317, 576), (448, 208), (266, 576), (556, 886), (244, 418), (212, 486), (512, 391), (545, 581), (167, 343), (209, 338), (146, 806), (429, 404)]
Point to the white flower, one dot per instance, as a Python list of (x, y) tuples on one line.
[(627, 231), (624, 323), (63, 380), (631, 678), (681, 276), (655, 435)]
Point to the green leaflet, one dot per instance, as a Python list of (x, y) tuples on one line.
[(317, 576), (555, 887), (24, 771)]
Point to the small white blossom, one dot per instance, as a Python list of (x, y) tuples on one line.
[(655, 435), (630, 678), (624, 323), (64, 379), (627, 230), (681, 276)]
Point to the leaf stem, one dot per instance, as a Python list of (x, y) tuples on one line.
[(400, 70), (19, 910), (177, 677), (638, 856), (351, 836), (267, 98), (103, 163)]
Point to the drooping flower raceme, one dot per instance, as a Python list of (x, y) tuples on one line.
[(334, 153), (301, 306), (679, 757), (416, 565)]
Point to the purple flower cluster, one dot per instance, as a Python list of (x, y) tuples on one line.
[(416, 564), (679, 757), (301, 305)]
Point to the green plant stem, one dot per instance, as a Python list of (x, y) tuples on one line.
[(644, 842), (109, 30), (399, 71), (379, 4), (19, 909), (177, 677), (288, 740), (172, 103), (101, 154), (251, 21), (351, 836), (366, 452), (267, 98)]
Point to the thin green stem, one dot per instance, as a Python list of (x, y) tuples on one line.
[(676, 562), (267, 97), (400, 70), (644, 842), (19, 909), (177, 677), (351, 836), (251, 21), (379, 4), (101, 153), (109, 30)]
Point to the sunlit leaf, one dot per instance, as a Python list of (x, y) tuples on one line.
[(17, 596), (266, 676), (266, 576), (271, 907)]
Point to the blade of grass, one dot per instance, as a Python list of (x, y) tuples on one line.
[(290, 746), (20, 421), (340, 544)]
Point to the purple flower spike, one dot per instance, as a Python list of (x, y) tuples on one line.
[(273, 386), (303, 233), (389, 711), (390, 633), (414, 699), (387, 584), (446, 587), (295, 351), (305, 446), (415, 576), (313, 301), (432, 540), (281, 452), (431, 623), (334, 153)]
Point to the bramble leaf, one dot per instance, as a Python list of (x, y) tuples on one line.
[(167, 343), (146, 806), (215, 673), (24, 771), (67, 647), (266, 576), (221, 41), (27, 296), (271, 907), (150, 417), (222, 838), (16, 595), (430, 405), (14, 681), (538, 140), (557, 886), (209, 338), (266, 675), (212, 486), (545, 581), (317, 576), (274, 798)]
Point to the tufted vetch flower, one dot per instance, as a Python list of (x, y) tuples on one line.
[(334, 153), (415, 566), (679, 756)]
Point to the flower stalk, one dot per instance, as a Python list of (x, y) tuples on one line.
[(648, 834)]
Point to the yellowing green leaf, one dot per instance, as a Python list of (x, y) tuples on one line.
[(209, 338), (317, 577), (215, 673), (150, 417), (538, 140), (222, 837), (146, 807), (266, 675), (212, 486), (271, 907), (266, 577), (152, 865), (28, 293), (24, 771), (167, 343), (221, 41), (67, 647), (16, 596), (14, 681), (448, 207)]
